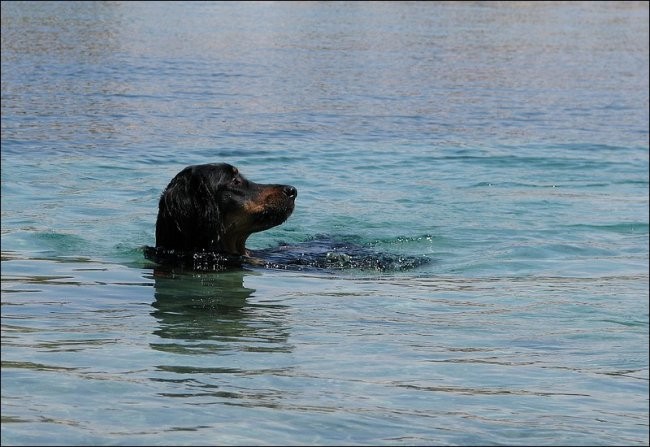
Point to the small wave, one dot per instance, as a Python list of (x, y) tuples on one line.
[(622, 228), (46, 244), (205, 261)]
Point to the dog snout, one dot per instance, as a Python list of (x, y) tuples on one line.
[(290, 192)]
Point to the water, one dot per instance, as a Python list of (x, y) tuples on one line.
[(506, 143)]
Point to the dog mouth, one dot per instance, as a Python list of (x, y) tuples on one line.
[(272, 206), (273, 215), (269, 207), (252, 218)]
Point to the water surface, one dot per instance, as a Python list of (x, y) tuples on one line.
[(505, 143)]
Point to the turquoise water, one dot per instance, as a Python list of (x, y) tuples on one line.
[(506, 143)]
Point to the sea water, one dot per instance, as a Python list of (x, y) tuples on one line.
[(507, 143)]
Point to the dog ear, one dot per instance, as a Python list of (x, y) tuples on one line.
[(189, 211), (176, 210), (203, 226)]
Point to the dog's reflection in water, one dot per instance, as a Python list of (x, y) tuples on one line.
[(214, 312)]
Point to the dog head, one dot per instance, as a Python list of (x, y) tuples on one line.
[(212, 207)]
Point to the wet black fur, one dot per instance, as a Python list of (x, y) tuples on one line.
[(208, 208)]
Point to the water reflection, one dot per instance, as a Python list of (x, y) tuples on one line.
[(213, 312)]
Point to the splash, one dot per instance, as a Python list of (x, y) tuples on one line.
[(322, 252)]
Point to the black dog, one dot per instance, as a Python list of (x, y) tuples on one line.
[(213, 209), (207, 212)]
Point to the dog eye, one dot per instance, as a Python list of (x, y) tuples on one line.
[(236, 181)]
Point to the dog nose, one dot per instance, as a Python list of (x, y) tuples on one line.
[(290, 192)]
